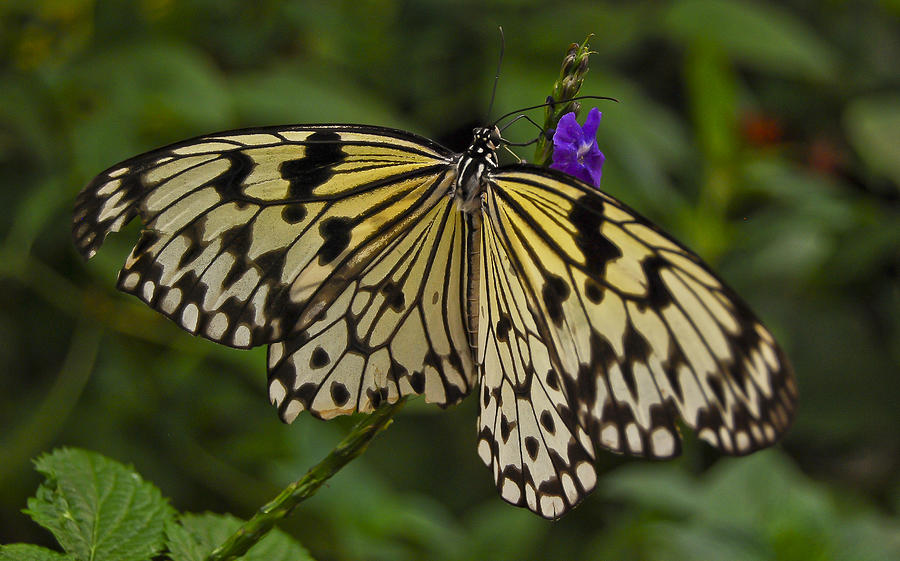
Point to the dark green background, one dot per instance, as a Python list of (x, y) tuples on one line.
[(764, 135)]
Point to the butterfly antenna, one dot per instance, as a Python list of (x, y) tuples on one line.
[(553, 102), (517, 119), (497, 75)]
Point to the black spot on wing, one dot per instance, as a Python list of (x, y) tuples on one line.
[(306, 393), (293, 213), (230, 182), (593, 291), (670, 368), (272, 262), (319, 358), (397, 371), (417, 381), (658, 296), (554, 293), (339, 393), (322, 153), (502, 328), (393, 296), (597, 249), (715, 383), (637, 350), (505, 428), (547, 422), (552, 380), (336, 235), (531, 446)]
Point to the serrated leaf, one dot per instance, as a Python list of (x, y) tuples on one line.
[(97, 508), (29, 552), (194, 537)]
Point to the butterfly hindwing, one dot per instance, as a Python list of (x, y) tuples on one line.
[(396, 329), (540, 456), (636, 327)]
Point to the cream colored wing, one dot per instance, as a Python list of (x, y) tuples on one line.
[(253, 237), (540, 456), (632, 327), (397, 328)]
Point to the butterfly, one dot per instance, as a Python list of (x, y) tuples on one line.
[(377, 264)]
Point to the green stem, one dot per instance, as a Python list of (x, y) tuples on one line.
[(264, 520)]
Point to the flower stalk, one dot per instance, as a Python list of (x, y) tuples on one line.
[(571, 76)]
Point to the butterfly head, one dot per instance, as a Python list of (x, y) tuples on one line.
[(479, 157), (485, 141)]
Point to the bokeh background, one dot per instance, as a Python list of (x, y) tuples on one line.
[(764, 135)]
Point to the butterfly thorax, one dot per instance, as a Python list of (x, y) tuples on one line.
[(479, 157)]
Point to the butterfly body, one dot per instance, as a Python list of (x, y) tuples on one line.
[(375, 264)]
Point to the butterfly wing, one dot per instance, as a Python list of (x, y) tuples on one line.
[(396, 329), (267, 235), (631, 327), (538, 452)]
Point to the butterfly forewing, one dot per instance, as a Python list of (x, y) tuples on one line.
[(242, 227)]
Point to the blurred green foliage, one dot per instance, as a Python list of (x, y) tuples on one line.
[(764, 135)]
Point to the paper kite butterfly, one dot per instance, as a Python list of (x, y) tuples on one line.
[(375, 264)]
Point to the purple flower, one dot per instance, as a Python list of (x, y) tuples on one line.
[(575, 149)]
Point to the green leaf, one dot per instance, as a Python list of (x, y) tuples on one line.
[(873, 126), (763, 36), (758, 507), (194, 537), (97, 508), (666, 490), (712, 85), (29, 552)]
